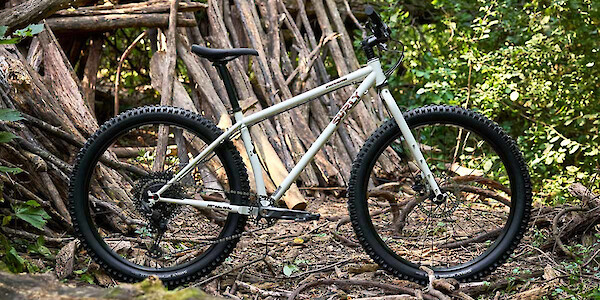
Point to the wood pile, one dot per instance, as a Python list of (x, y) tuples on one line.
[(52, 79)]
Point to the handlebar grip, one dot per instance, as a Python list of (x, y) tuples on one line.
[(373, 15), (380, 29)]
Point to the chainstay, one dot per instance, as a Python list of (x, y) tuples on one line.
[(253, 197)]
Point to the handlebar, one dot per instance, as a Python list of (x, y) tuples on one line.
[(380, 30)]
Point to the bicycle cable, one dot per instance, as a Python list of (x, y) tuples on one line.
[(382, 47)]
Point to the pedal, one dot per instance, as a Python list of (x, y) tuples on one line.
[(288, 214)]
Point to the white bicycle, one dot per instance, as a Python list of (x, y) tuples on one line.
[(438, 186)]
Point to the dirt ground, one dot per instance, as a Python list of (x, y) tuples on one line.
[(323, 260), (272, 263)]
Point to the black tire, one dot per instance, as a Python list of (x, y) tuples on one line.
[(396, 250), (86, 213)]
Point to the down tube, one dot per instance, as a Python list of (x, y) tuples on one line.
[(325, 135)]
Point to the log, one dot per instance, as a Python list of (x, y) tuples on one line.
[(32, 11), (65, 84), (132, 8), (90, 72), (584, 194), (166, 93), (110, 22)]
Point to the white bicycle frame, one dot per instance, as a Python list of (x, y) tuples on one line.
[(371, 75)]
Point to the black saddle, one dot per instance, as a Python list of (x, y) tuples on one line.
[(222, 54)]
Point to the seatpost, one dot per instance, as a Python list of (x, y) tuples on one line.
[(231, 91)]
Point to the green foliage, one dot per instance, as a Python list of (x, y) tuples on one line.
[(20, 34), (134, 82), (531, 66), (10, 115), (10, 171), (84, 276), (288, 270), (39, 248), (11, 260), (5, 137), (32, 213)]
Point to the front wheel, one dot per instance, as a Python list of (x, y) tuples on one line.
[(476, 165)]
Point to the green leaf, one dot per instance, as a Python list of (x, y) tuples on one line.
[(31, 213), (3, 30), (36, 28), (87, 278), (6, 220), (6, 137), (10, 115), (16, 261), (39, 248), (9, 41), (32, 203), (30, 30), (10, 170), (289, 269)]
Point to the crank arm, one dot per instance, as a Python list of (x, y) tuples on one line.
[(287, 214), (239, 209)]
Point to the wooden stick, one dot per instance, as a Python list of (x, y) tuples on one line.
[(166, 92), (121, 60), (90, 73), (32, 11), (254, 290), (115, 21), (132, 8), (34, 236), (347, 282), (482, 237), (557, 233)]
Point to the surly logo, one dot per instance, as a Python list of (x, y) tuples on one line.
[(347, 106), (336, 82)]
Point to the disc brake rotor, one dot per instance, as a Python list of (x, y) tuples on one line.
[(445, 208)]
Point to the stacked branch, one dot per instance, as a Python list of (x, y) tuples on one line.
[(58, 101), (110, 17)]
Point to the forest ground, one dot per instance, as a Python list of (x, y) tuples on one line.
[(299, 254)]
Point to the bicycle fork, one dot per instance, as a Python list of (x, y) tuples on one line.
[(413, 146)]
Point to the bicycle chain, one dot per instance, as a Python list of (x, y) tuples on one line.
[(165, 176)]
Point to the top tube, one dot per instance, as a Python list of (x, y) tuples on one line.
[(308, 95)]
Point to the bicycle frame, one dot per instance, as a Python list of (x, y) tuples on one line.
[(371, 75)]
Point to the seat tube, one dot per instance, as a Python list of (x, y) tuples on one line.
[(413, 146), (253, 156)]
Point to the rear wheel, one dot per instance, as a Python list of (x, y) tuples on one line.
[(117, 168), (476, 165)]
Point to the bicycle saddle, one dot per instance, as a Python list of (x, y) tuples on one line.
[(222, 54)]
